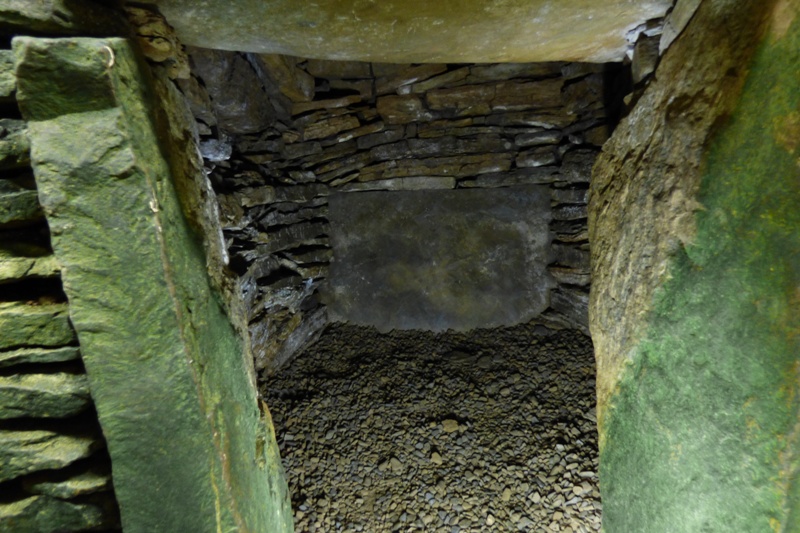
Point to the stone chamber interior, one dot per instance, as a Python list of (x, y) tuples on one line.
[(413, 243), (244, 291)]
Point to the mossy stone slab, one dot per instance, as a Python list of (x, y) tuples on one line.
[(25, 356), (8, 76), (57, 395), (18, 205), (22, 324), (43, 514), (170, 378), (24, 452), (14, 145), (14, 268), (700, 386), (88, 482)]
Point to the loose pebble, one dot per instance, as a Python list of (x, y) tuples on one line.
[(394, 433)]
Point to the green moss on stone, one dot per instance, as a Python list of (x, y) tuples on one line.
[(169, 374), (702, 435), (44, 514), (57, 395), (23, 324)]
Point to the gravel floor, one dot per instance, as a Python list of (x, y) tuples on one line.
[(493, 430)]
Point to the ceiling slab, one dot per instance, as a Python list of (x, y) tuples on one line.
[(415, 31)]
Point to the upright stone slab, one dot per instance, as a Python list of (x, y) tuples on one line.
[(440, 260), (190, 448), (695, 308)]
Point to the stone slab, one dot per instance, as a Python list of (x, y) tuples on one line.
[(14, 268), (34, 325), (441, 260), (8, 78), (416, 31), (14, 145), (57, 395), (69, 485), (694, 306), (173, 388), (18, 206), (39, 355), (44, 514), (23, 452)]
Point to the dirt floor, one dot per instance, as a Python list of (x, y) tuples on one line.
[(491, 430)]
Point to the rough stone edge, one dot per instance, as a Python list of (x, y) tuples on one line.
[(134, 104), (617, 166)]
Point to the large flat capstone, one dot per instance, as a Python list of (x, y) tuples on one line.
[(416, 31), (437, 260)]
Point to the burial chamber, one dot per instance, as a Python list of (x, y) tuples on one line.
[(237, 176)]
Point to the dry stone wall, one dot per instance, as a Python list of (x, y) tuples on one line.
[(329, 127), (55, 473)]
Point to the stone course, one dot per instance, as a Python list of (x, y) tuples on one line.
[(372, 126), (490, 430)]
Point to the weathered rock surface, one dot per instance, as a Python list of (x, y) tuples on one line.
[(94, 165), (295, 83), (443, 32), (694, 226), (238, 99), (454, 260), (58, 395), (573, 304), (44, 514), (88, 481), (34, 325), (26, 356), (8, 78), (18, 205), (15, 265), (402, 109), (23, 452), (14, 145)]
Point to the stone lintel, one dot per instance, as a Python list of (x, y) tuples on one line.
[(416, 31)]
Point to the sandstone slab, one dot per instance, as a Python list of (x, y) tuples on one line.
[(449, 31), (693, 222), (8, 78), (57, 395), (25, 356), (34, 325), (173, 388), (67, 485), (14, 145), (23, 452), (15, 266), (402, 109), (18, 205), (453, 259), (45, 514), (295, 83)]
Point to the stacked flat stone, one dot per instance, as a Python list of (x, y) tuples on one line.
[(330, 127), (54, 471), (492, 430)]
